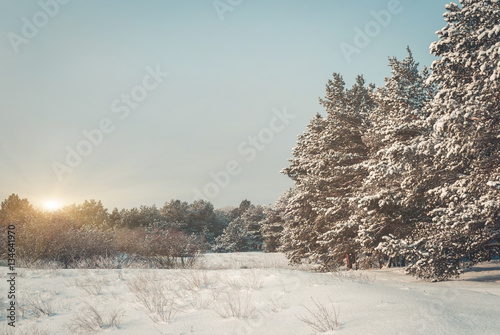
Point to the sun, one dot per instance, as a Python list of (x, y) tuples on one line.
[(52, 205)]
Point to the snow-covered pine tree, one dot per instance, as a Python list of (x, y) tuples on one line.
[(328, 170), (252, 219), (235, 238), (299, 239), (274, 222), (462, 180), (400, 117), (348, 112), (175, 213)]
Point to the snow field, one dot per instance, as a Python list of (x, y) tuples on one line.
[(252, 293)]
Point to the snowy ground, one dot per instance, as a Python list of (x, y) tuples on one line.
[(251, 293)]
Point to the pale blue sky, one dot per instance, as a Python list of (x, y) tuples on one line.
[(225, 79)]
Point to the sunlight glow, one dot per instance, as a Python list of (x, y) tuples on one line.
[(52, 205)]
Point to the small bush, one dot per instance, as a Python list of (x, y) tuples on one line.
[(90, 319), (233, 303), (157, 298), (275, 304), (36, 306), (195, 280), (322, 319), (92, 286)]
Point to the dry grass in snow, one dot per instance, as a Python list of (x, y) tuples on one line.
[(251, 293)]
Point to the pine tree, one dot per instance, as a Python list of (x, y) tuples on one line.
[(327, 170), (175, 212), (385, 210), (463, 217), (115, 217), (15, 210), (252, 219), (346, 155), (131, 218), (235, 238), (274, 222), (91, 212), (299, 240)]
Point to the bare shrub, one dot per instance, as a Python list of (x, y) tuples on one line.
[(90, 319), (233, 303), (70, 241), (195, 280), (37, 306), (169, 248), (192, 284), (157, 247), (231, 283), (92, 285), (97, 262), (275, 304), (130, 245), (38, 264), (322, 318), (61, 240), (157, 298)]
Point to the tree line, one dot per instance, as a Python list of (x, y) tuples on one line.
[(406, 174), (88, 235)]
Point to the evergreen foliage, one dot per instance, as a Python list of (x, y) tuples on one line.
[(407, 173)]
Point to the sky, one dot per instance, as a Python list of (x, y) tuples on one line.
[(139, 102)]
